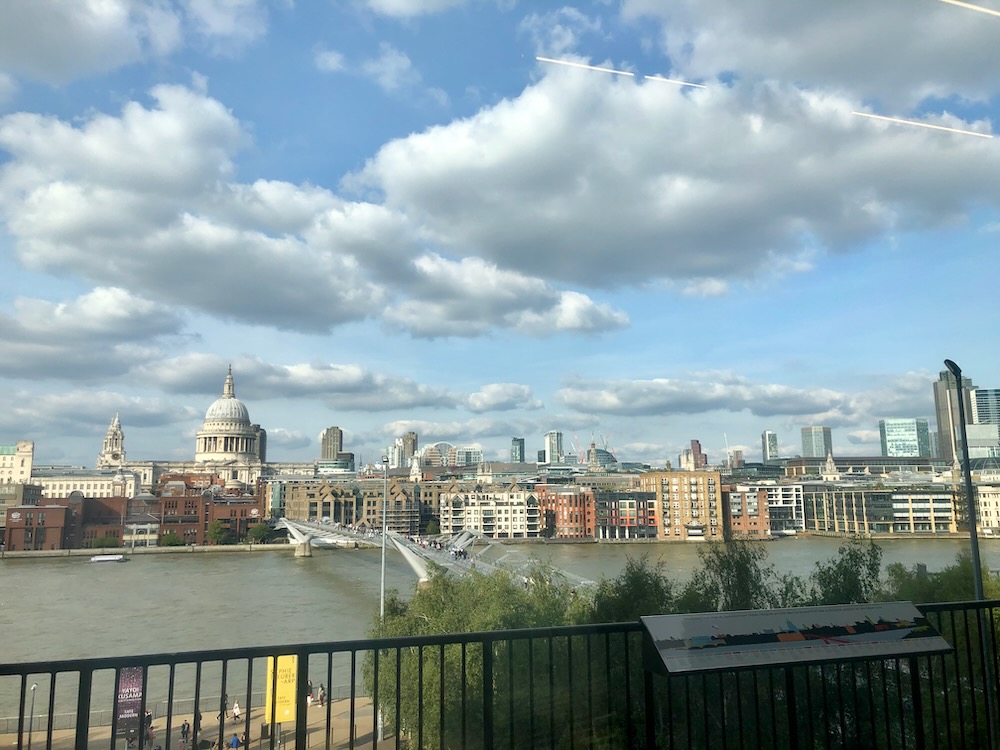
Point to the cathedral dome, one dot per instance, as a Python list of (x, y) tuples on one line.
[(228, 408)]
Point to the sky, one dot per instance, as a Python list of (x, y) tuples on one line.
[(390, 215)]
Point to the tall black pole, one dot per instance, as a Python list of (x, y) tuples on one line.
[(977, 565)]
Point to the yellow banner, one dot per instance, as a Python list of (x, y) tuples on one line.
[(284, 695)]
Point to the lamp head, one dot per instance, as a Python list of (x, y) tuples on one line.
[(385, 459), (34, 685), (953, 368)]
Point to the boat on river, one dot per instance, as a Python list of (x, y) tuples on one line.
[(109, 558)]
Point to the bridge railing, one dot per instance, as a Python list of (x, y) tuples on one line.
[(581, 686)]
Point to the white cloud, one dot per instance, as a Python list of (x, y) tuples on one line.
[(392, 70), (228, 24), (284, 438), (8, 87), (329, 61), (897, 51), (595, 181), (411, 8), (85, 412), (56, 41), (558, 31), (502, 397)]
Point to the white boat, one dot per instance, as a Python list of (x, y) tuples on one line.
[(109, 558)]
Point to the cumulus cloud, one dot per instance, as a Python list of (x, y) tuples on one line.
[(614, 181), (895, 51), (392, 69), (101, 333), (457, 432), (228, 24), (502, 397), (706, 392), (343, 386), (84, 412)]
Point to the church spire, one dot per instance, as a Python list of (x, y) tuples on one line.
[(228, 391)]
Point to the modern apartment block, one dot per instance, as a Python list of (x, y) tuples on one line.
[(688, 504), (769, 446), (567, 511), (513, 513), (946, 412), (625, 514), (817, 442), (845, 508), (905, 437), (784, 506)]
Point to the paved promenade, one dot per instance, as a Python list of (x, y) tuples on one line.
[(339, 711)]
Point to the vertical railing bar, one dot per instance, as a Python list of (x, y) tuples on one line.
[(465, 702), (272, 720), (169, 719), (825, 706), (898, 671), (840, 704), (590, 689), (510, 693), (774, 709), (83, 708), (487, 694), (197, 722), (810, 714), (248, 704), (399, 694), (857, 703), (354, 701), (570, 701), (142, 710), (629, 723), (958, 682), (441, 678), (223, 699), (705, 728), (328, 719), (114, 711), (973, 702), (885, 704), (531, 690), (740, 679), (420, 696), (376, 699), (932, 698), (722, 702), (20, 711), (872, 713), (51, 709), (687, 712), (756, 707), (671, 739), (607, 680)]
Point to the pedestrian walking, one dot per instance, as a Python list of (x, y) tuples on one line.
[(322, 695), (234, 742), (309, 694), (236, 711), (224, 707), (185, 730)]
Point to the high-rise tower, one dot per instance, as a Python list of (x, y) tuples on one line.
[(769, 446), (331, 443), (946, 412), (817, 442), (517, 450)]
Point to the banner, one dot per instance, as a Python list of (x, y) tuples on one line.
[(284, 689), (129, 701)]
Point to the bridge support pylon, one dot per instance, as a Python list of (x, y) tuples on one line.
[(304, 549)]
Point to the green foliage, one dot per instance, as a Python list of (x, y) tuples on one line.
[(854, 576), (735, 575), (218, 533), (953, 584), (107, 540), (259, 533), (171, 539), (642, 588), (432, 528)]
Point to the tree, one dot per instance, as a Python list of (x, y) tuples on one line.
[(218, 533), (259, 533), (171, 539), (734, 575), (642, 588), (108, 540), (433, 529), (854, 576)]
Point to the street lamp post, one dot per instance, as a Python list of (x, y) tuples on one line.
[(31, 715), (385, 532), (977, 565)]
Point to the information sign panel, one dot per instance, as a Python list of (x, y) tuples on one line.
[(775, 637)]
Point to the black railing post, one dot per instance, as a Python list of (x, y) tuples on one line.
[(83, 708), (487, 694), (918, 709), (647, 683), (301, 688), (793, 720)]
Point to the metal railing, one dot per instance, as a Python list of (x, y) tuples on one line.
[(563, 687)]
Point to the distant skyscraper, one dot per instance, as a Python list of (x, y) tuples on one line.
[(700, 459), (517, 450), (946, 412), (553, 447), (410, 446), (904, 437), (817, 442), (331, 443), (769, 446), (468, 456), (986, 406)]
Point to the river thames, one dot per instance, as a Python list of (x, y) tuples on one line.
[(61, 608)]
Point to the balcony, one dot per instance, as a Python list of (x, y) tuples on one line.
[(581, 686)]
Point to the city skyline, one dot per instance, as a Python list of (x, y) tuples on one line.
[(391, 217)]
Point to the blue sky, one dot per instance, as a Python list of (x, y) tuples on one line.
[(389, 215)]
